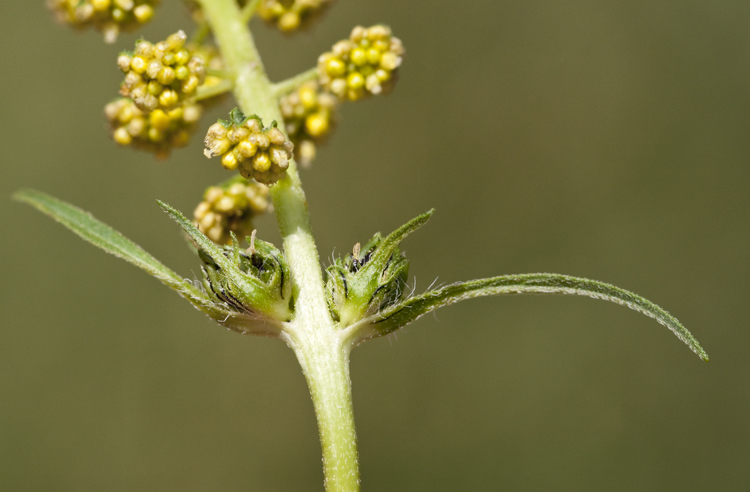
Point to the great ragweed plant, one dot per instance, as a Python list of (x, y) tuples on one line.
[(282, 292)]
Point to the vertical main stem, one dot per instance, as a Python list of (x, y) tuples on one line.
[(323, 355)]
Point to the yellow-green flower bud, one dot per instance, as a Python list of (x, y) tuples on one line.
[(309, 115), (108, 16), (362, 65), (157, 131), (291, 15), (161, 75), (244, 144), (229, 208)]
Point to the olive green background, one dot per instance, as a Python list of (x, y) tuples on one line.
[(605, 139)]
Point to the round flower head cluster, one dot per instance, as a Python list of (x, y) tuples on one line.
[(290, 15), (362, 65), (243, 144), (309, 114), (157, 131), (161, 75), (108, 16), (230, 208)]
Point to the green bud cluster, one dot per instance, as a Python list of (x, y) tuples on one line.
[(244, 144), (157, 131), (291, 15), (363, 65), (161, 75), (109, 16), (309, 116), (371, 278), (256, 281), (229, 209)]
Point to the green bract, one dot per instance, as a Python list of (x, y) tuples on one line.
[(371, 278)]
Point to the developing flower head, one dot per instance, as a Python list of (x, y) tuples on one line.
[(244, 144), (362, 65), (161, 75), (309, 114), (230, 208), (372, 277), (291, 15), (157, 131), (109, 16)]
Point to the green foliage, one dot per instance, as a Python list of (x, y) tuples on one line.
[(398, 316)]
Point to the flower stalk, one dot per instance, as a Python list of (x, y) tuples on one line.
[(322, 353)]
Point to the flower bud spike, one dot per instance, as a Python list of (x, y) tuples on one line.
[(169, 73), (291, 15), (158, 131), (310, 116), (244, 144), (107, 16), (229, 209), (363, 65)]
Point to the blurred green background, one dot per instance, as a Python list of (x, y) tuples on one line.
[(600, 139)]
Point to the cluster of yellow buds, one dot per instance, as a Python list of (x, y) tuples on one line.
[(290, 15), (242, 142), (157, 131), (309, 115), (362, 65), (161, 75), (108, 16), (230, 208)]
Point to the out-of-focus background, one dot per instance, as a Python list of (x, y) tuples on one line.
[(601, 139)]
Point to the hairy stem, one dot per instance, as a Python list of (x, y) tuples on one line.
[(325, 366)]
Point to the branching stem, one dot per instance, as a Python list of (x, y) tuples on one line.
[(320, 349), (286, 86)]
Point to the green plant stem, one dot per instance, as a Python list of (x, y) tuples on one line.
[(207, 92), (286, 86), (312, 334), (248, 11)]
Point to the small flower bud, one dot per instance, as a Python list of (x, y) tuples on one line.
[(291, 15), (230, 208), (309, 115), (163, 75), (108, 16), (363, 65), (243, 144), (157, 131)]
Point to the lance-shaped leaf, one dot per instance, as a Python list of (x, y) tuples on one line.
[(261, 290), (399, 315), (102, 236)]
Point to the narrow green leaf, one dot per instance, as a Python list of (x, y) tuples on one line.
[(385, 249), (102, 236), (208, 246), (409, 310)]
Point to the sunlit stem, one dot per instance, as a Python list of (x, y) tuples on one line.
[(248, 11), (312, 335)]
